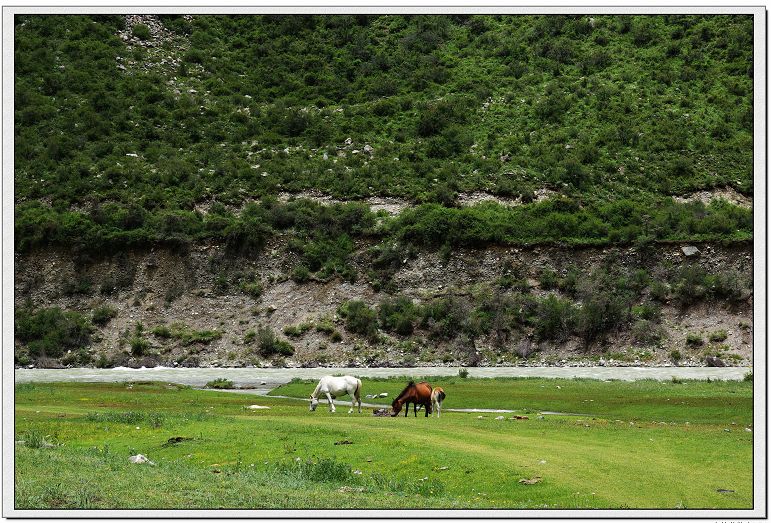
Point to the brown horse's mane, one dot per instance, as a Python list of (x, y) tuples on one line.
[(403, 392)]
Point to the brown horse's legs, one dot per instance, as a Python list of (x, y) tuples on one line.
[(428, 408)]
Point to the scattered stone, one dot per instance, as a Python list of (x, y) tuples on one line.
[(174, 440), (531, 481), (256, 407), (689, 251), (500, 418), (381, 412), (725, 490), (346, 488), (713, 361), (344, 442), (383, 395), (140, 458), (357, 472)]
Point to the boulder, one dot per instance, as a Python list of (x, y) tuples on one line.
[(714, 361), (140, 458), (690, 251)]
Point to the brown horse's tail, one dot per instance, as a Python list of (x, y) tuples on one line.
[(357, 392)]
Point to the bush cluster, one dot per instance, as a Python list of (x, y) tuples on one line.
[(51, 331)]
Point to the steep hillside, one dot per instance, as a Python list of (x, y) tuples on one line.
[(382, 189), (473, 306), (125, 124)]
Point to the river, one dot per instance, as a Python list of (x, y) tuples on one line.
[(197, 377)]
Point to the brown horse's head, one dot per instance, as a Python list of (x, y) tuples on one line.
[(396, 407)]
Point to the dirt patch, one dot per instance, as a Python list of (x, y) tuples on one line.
[(198, 289), (724, 193)]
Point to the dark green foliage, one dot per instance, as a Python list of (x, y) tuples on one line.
[(103, 314), (359, 318), (141, 31), (444, 95), (139, 345), (220, 383), (693, 283), (555, 319), (270, 345), (51, 332), (398, 315)]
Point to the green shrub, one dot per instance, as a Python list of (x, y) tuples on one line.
[(555, 319), (141, 31), (719, 335), (51, 332), (646, 332), (250, 336), (675, 355), (694, 340), (138, 345), (103, 314), (359, 318), (252, 288), (162, 331), (325, 325), (300, 274), (220, 383), (297, 330), (269, 344), (463, 373), (548, 279), (398, 315)]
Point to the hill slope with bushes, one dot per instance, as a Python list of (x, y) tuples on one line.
[(125, 125)]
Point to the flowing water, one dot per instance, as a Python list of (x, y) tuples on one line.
[(268, 378)]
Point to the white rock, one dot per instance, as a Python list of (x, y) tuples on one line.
[(140, 458)]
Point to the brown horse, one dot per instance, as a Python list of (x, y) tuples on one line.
[(415, 393)]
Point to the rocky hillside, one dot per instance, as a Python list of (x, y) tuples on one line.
[(383, 190), (476, 307)]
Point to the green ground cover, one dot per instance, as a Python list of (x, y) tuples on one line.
[(115, 145), (210, 452)]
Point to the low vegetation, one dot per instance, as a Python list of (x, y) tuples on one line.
[(613, 113), (675, 446)]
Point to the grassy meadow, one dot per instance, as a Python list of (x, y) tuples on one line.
[(633, 445)]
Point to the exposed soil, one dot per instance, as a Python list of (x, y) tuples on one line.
[(162, 287)]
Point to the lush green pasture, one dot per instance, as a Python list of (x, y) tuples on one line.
[(649, 400), (286, 456)]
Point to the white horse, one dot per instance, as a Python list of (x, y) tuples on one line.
[(333, 386)]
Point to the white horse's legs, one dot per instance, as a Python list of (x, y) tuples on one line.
[(331, 403)]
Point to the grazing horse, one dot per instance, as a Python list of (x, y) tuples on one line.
[(437, 397), (333, 386), (415, 393)]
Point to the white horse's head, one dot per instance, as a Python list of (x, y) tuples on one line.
[(314, 403)]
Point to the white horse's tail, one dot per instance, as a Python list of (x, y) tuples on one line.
[(357, 392)]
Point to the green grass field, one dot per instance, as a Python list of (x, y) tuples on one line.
[(636, 445)]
